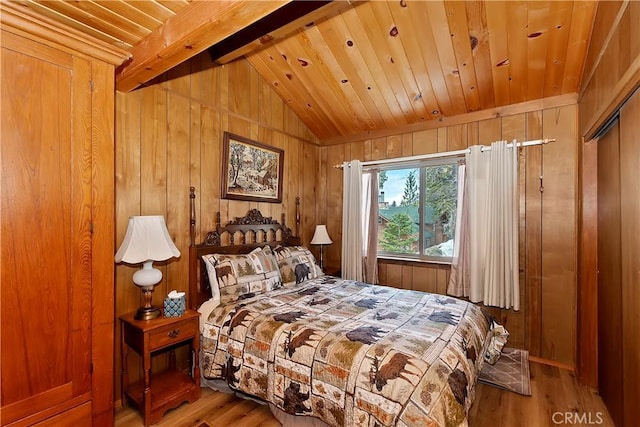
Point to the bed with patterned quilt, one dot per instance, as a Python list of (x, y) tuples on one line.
[(342, 351)]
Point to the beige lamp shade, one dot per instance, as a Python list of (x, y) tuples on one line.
[(321, 237), (147, 239)]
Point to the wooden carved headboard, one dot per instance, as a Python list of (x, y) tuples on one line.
[(238, 236)]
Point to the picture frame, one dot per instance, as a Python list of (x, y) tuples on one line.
[(251, 171)]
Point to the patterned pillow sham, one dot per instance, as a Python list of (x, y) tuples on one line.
[(296, 264), (243, 276)]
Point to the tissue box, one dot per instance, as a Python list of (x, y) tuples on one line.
[(174, 307)]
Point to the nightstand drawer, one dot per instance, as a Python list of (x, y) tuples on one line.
[(172, 334)]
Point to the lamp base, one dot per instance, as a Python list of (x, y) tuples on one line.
[(147, 313), (321, 260), (146, 278)]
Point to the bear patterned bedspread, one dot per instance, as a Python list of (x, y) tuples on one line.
[(350, 353)]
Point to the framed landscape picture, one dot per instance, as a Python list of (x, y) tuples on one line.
[(251, 171)]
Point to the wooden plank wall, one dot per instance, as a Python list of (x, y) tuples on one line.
[(546, 323), (169, 137), (612, 66)]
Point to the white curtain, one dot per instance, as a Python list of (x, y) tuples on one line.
[(501, 273), (491, 203), (477, 184), (459, 278), (370, 226), (352, 236)]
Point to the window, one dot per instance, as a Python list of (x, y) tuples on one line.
[(417, 210)]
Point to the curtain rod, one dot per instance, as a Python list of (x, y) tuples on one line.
[(450, 153)]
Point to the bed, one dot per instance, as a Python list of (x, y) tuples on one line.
[(344, 352)]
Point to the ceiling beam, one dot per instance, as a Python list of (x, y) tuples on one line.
[(192, 30), (280, 24)]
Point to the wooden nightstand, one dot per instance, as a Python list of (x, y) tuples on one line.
[(332, 271), (157, 393)]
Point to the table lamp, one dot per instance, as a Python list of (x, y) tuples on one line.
[(146, 240), (321, 237)]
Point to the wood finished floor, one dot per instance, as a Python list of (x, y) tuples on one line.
[(554, 391)]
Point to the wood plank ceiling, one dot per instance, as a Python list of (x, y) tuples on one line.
[(355, 67)]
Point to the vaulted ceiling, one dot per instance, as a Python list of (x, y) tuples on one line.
[(348, 68)]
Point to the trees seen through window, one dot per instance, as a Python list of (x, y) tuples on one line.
[(417, 211)]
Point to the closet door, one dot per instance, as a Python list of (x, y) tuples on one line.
[(609, 274), (45, 212), (618, 266), (630, 254)]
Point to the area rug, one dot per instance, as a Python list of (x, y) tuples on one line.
[(511, 372)]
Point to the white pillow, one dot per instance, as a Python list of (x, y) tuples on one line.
[(209, 262)]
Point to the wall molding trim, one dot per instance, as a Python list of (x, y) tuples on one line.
[(491, 113), (21, 20)]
